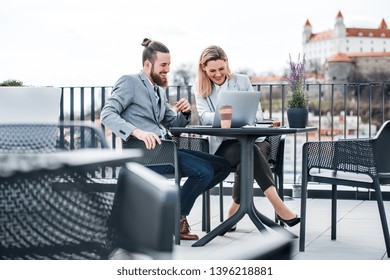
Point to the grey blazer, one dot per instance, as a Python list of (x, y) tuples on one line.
[(206, 106), (132, 105)]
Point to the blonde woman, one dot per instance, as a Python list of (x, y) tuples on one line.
[(213, 76)]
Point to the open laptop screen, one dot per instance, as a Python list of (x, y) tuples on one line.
[(244, 103)]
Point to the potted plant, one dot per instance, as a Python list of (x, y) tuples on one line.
[(297, 101)]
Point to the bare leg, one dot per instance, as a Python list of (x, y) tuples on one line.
[(280, 208), (233, 209)]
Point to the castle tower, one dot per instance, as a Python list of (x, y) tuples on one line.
[(307, 32), (383, 25), (340, 30)]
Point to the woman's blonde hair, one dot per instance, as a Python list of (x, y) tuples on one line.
[(204, 85)]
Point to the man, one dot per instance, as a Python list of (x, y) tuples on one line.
[(136, 109)]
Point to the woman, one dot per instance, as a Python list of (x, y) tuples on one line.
[(214, 75)]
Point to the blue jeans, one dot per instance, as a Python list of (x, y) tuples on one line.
[(203, 170)]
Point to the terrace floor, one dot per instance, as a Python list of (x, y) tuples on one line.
[(359, 231)]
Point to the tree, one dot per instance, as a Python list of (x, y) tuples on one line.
[(11, 83), (184, 75)]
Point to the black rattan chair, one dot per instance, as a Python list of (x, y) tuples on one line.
[(51, 213), (145, 219), (166, 154), (361, 163)]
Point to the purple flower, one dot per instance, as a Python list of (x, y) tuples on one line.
[(297, 82)]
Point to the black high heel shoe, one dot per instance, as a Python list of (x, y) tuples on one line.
[(233, 228), (292, 222)]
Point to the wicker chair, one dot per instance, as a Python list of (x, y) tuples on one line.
[(362, 163), (38, 221), (166, 154), (144, 228), (47, 212)]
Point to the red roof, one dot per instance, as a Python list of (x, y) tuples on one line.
[(321, 36), (349, 57), (339, 57), (367, 32), (307, 23)]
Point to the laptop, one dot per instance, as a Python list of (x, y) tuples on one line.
[(29, 105), (244, 103)]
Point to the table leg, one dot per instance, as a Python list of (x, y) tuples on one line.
[(246, 200), (246, 203), (221, 229)]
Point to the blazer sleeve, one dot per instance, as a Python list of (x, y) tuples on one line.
[(122, 95), (206, 115)]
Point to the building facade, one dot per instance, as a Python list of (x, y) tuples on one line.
[(351, 43)]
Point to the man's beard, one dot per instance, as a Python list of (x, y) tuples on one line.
[(162, 82)]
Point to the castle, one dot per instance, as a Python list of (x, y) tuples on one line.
[(347, 54)]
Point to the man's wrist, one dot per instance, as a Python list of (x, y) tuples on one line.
[(186, 114)]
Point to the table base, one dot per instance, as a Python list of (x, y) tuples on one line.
[(260, 221)]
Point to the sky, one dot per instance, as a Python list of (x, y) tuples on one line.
[(94, 42)]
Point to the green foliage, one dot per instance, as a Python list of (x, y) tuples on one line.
[(11, 83), (298, 99)]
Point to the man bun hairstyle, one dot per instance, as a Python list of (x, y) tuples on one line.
[(146, 42), (151, 47)]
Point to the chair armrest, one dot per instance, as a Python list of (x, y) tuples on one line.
[(164, 154), (192, 142), (76, 135)]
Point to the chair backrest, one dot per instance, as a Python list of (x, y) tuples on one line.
[(274, 153), (39, 222), (370, 155), (145, 205), (381, 148), (28, 138), (53, 214), (44, 138)]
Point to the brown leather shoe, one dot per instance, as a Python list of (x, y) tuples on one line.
[(185, 231)]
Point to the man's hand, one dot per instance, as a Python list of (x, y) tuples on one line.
[(150, 139), (182, 106)]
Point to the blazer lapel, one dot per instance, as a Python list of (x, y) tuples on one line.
[(152, 96), (232, 83), (161, 104)]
